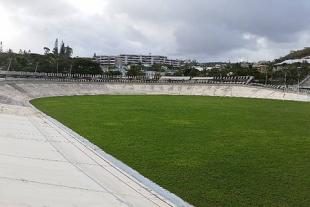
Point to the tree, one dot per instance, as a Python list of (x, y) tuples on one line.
[(113, 73), (46, 50), (62, 49), (135, 70), (158, 68), (68, 51), (55, 50), (85, 66), (191, 72)]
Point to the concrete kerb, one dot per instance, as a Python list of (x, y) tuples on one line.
[(144, 182)]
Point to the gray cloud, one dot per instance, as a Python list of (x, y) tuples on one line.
[(206, 29)]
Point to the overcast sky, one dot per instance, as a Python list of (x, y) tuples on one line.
[(208, 30)]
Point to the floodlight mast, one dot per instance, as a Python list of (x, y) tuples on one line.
[(285, 82), (70, 71), (8, 69), (10, 63), (36, 69), (298, 74), (57, 66)]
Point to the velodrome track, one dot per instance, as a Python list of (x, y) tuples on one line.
[(43, 163)]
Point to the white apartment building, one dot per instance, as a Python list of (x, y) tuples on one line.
[(106, 60), (128, 59), (174, 63), (143, 59)]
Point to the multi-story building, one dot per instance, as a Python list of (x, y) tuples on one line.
[(127, 59), (174, 63), (130, 59), (158, 60), (106, 60), (143, 59)]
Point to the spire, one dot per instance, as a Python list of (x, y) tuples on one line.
[(1, 47)]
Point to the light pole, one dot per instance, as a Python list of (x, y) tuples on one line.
[(9, 66), (298, 75), (57, 66), (266, 77), (285, 77), (70, 69), (36, 69)]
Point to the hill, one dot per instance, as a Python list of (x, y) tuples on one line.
[(298, 54)]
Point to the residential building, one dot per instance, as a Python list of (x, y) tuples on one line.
[(262, 68), (142, 59), (128, 59), (174, 63), (106, 60)]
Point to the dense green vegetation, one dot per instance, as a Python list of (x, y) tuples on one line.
[(58, 60), (211, 151), (47, 63), (298, 54), (294, 73), (289, 74)]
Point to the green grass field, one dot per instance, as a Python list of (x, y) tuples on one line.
[(210, 151)]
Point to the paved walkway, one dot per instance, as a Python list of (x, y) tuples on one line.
[(43, 165)]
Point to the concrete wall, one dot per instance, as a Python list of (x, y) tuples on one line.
[(19, 93)]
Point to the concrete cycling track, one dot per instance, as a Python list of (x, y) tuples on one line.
[(43, 163)]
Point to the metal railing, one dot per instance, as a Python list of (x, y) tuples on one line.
[(62, 77), (84, 78), (283, 88)]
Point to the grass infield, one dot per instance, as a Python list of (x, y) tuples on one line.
[(211, 151)]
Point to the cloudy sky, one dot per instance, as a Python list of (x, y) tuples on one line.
[(208, 30)]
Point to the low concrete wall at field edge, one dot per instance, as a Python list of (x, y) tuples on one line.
[(19, 93)]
